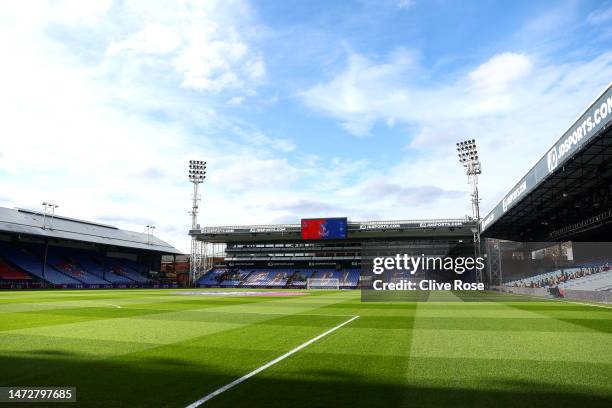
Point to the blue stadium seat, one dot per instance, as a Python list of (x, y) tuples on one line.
[(33, 265), (61, 261)]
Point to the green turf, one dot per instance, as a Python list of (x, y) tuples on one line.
[(165, 349)]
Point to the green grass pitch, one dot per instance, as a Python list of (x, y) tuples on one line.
[(150, 348)]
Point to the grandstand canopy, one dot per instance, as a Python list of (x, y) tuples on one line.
[(357, 230), (567, 194), (36, 224)]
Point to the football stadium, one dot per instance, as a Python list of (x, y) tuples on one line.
[(306, 240), (271, 315)]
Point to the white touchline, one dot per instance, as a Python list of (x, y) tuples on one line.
[(267, 365), (564, 301), (585, 304)]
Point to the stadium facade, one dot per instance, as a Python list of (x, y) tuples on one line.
[(552, 230), (40, 250), (289, 255)]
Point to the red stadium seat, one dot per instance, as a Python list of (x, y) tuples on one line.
[(7, 272)]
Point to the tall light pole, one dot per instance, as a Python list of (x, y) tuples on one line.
[(150, 230), (53, 207), (197, 174), (468, 157), (47, 206)]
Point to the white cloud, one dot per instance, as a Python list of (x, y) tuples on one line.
[(235, 100), (367, 92), (362, 93), (259, 139), (77, 128), (405, 4), (205, 41), (515, 105), (77, 11), (248, 172), (153, 38), (500, 72), (600, 16)]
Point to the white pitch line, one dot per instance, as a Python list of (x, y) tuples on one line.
[(585, 304), (274, 313), (563, 301), (265, 366)]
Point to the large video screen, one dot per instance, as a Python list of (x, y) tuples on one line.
[(324, 228)]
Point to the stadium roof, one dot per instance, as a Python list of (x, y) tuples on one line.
[(27, 222), (356, 229), (566, 195)]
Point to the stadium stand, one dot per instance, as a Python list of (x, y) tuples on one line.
[(299, 279), (277, 279), (600, 282), (287, 256), (72, 253), (7, 273), (61, 261), (13, 278), (119, 266), (233, 279), (350, 278), (68, 267), (211, 278), (95, 265), (33, 265), (268, 278), (10, 275), (256, 279), (595, 275)]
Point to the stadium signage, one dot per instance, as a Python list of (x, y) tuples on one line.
[(324, 228), (225, 230), (268, 229), (440, 224), (379, 226), (580, 131), (399, 226), (596, 118), (488, 220), (510, 198), (214, 230)]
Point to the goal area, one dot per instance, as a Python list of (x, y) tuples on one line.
[(323, 283)]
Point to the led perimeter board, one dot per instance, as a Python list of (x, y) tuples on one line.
[(324, 228)]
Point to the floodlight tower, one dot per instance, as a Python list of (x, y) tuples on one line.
[(468, 157), (197, 174), (47, 206), (150, 230)]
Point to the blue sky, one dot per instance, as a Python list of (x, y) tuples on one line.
[(301, 108)]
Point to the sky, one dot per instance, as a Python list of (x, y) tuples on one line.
[(301, 108)]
